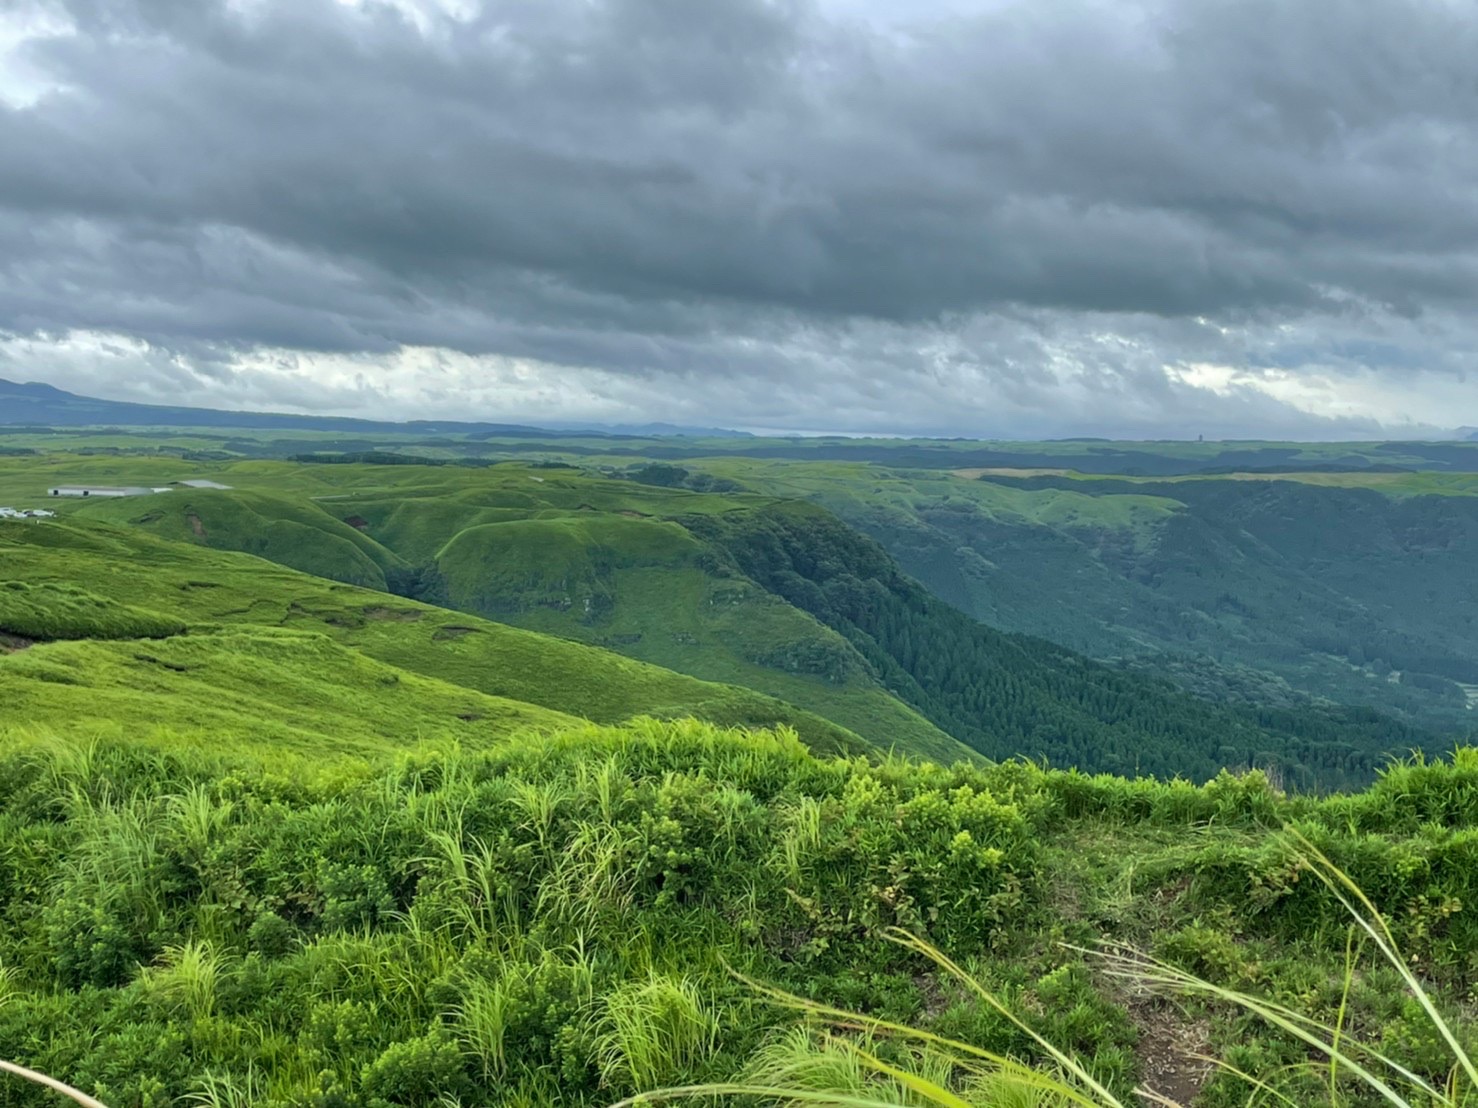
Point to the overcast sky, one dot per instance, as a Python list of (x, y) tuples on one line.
[(1010, 219)]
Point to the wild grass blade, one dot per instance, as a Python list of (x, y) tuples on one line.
[(51, 1083)]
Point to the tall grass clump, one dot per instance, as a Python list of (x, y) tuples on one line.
[(652, 1032), (1350, 1069), (187, 979)]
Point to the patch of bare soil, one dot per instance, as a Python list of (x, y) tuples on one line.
[(10, 644), (452, 632), (936, 997), (1167, 1040), (195, 525), (152, 660), (399, 615), (359, 523)]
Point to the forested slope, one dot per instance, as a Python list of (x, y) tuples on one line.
[(1351, 587), (1014, 694)]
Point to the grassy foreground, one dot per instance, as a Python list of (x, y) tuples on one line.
[(563, 918)]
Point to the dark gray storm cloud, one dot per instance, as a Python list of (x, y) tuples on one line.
[(1050, 211)]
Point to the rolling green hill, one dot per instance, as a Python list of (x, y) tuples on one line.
[(650, 589), (548, 550), (210, 591), (607, 562), (290, 531)]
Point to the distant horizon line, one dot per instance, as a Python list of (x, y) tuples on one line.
[(675, 429)]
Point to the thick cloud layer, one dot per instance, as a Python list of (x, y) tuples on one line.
[(1219, 216)]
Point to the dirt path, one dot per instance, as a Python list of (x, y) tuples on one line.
[(1167, 1041)]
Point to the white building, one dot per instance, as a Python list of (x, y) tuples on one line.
[(99, 490)]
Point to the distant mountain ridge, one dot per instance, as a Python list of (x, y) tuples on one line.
[(33, 403)]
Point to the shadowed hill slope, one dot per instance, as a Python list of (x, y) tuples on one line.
[(1358, 588)]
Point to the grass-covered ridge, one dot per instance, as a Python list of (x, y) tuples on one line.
[(290, 531), (550, 550), (206, 589), (561, 917)]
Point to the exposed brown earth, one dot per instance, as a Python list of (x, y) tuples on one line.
[(1168, 1043)]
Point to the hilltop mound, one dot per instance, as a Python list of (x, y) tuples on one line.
[(569, 564), (290, 531)]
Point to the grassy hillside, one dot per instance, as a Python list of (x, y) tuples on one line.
[(208, 590), (560, 919), (258, 690), (649, 589), (663, 573), (47, 611), (550, 550), (292, 532)]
